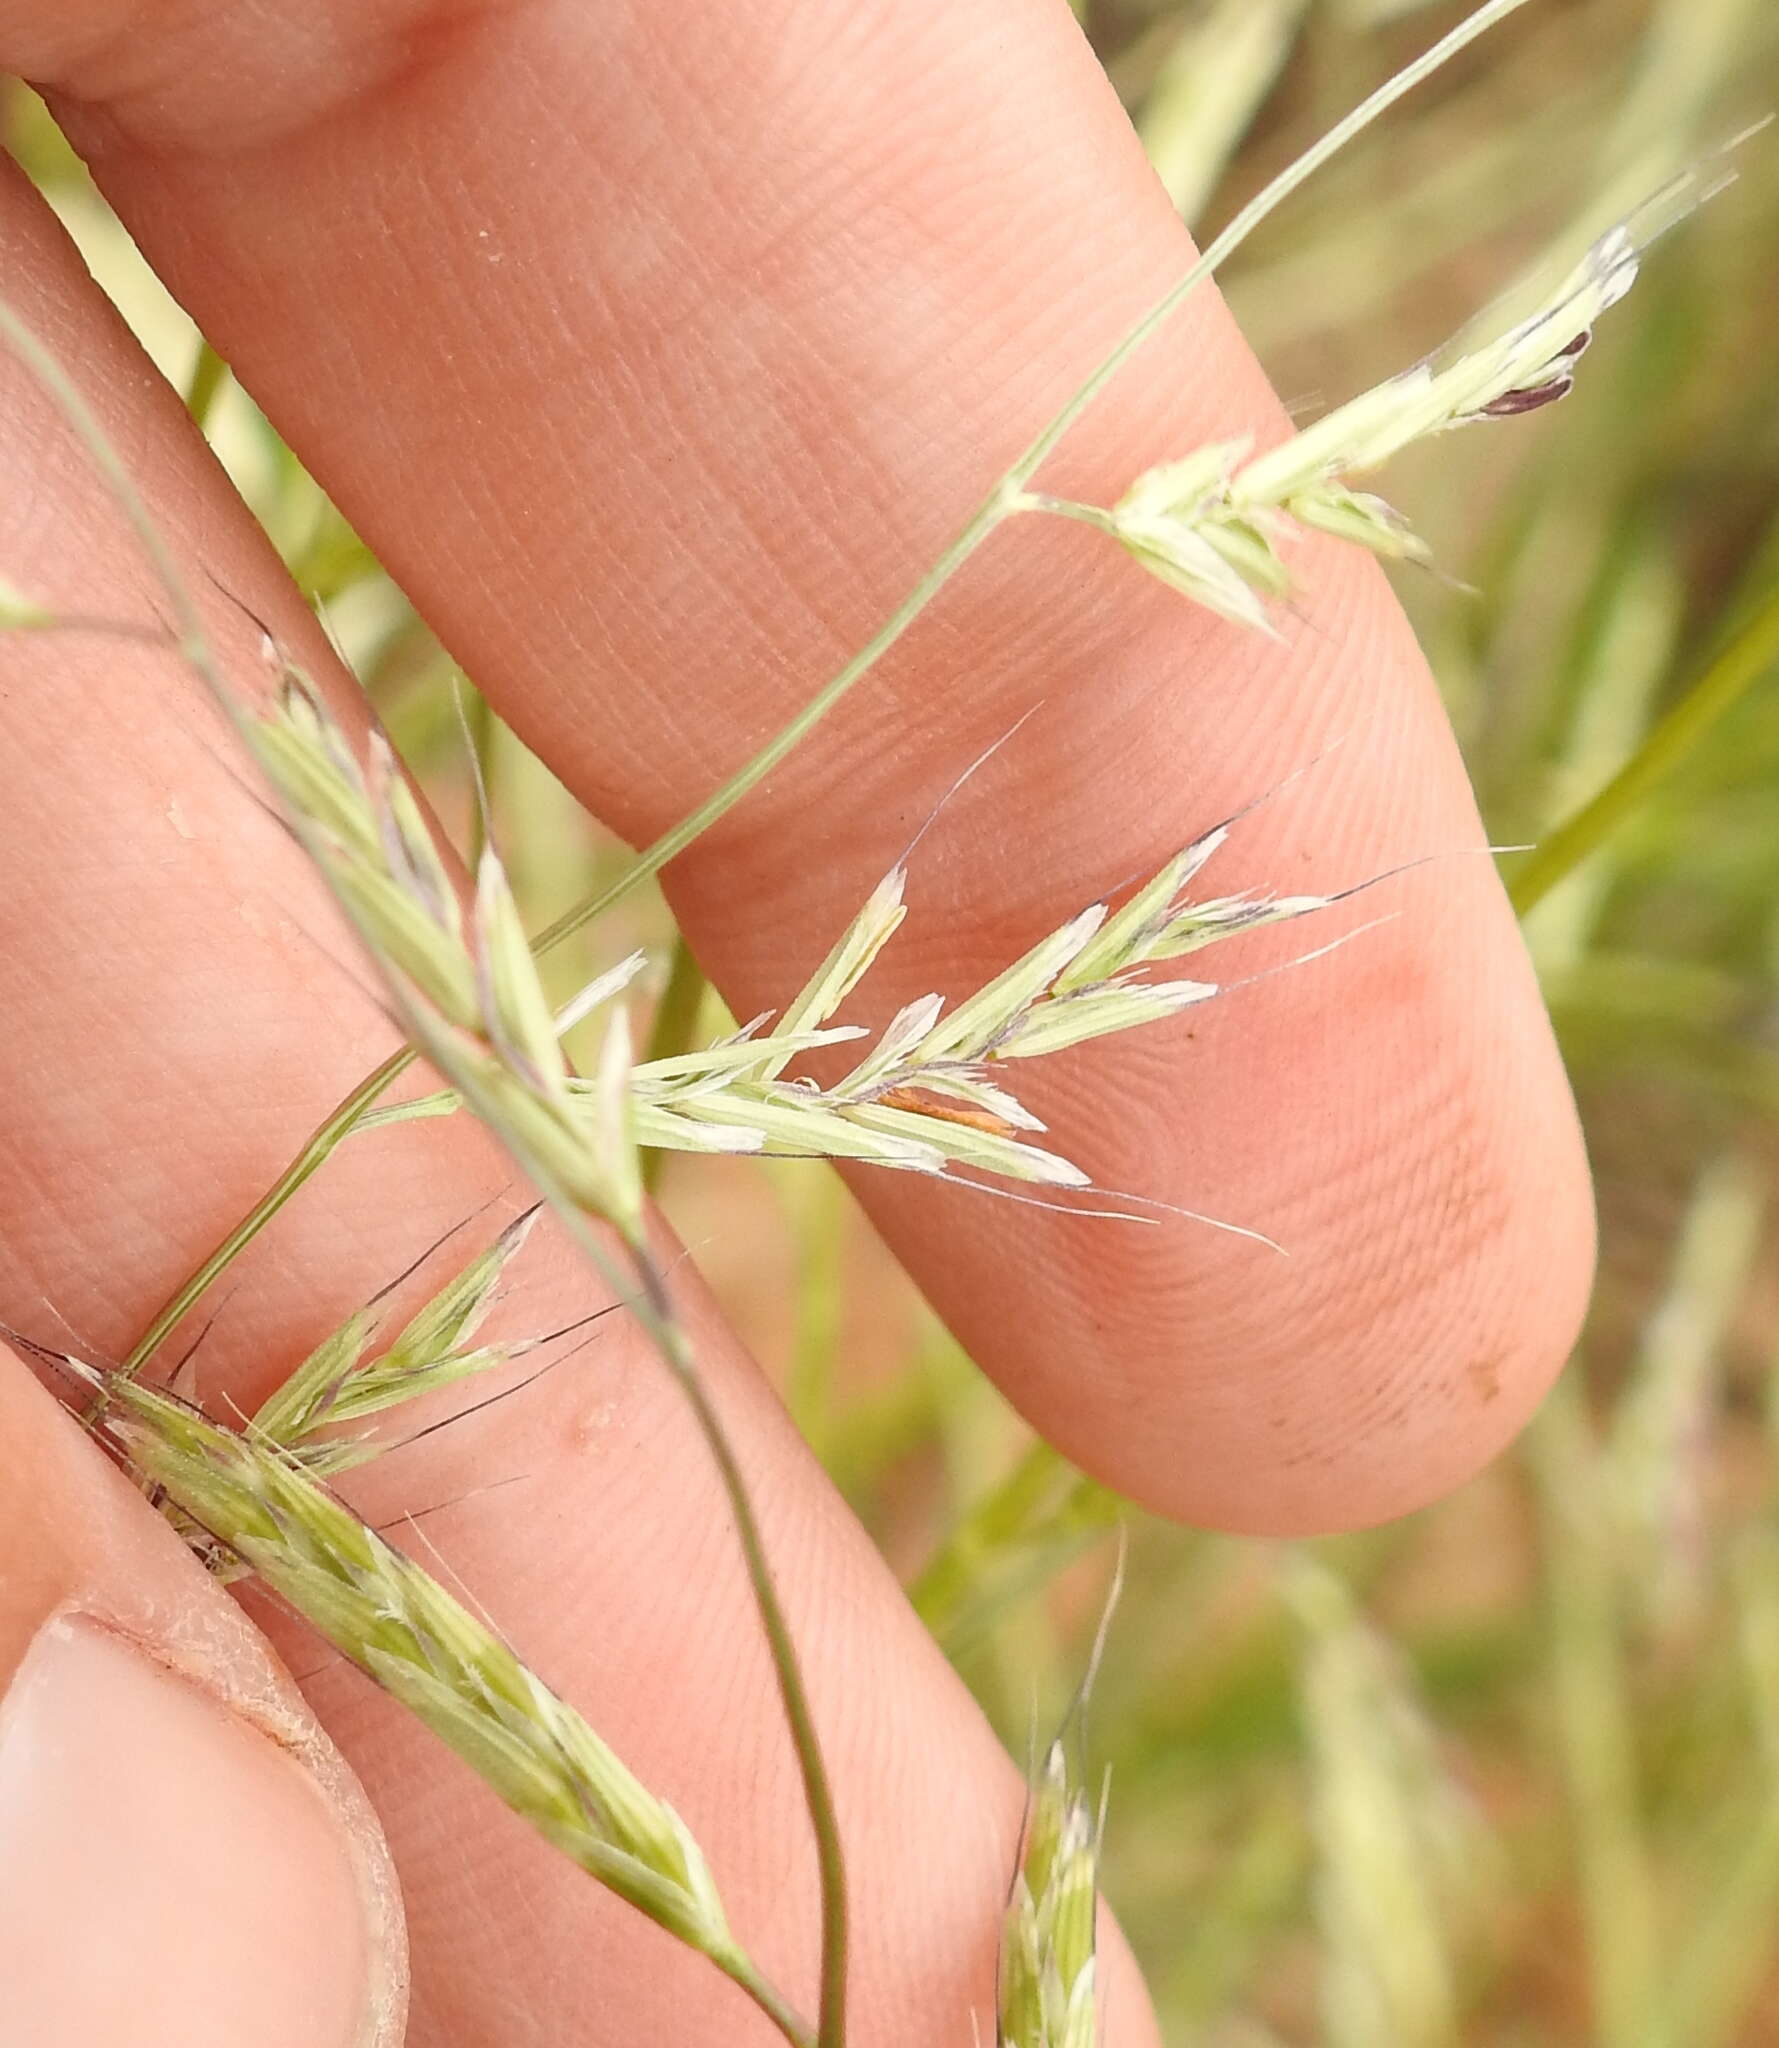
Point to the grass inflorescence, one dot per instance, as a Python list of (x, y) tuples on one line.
[(266, 1508)]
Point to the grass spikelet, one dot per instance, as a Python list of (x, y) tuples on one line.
[(1079, 982), (614, 1129), (920, 1099), (430, 1652), (841, 972), (1214, 523), (469, 990), (515, 1017), (336, 1383), (1047, 1985)]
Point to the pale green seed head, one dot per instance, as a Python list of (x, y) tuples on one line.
[(1048, 1938), (426, 1648)]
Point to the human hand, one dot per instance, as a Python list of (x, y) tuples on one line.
[(657, 352)]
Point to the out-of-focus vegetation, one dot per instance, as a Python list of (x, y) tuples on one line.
[(1507, 1772)]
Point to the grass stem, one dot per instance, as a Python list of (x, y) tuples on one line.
[(794, 1697), (317, 1149), (1749, 657), (208, 377)]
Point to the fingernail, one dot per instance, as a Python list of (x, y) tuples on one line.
[(168, 1874)]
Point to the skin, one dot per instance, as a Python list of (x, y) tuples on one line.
[(657, 361)]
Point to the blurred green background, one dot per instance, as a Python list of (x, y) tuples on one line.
[(1507, 1772)]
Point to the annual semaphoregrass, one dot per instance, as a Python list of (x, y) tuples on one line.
[(1506, 1772)]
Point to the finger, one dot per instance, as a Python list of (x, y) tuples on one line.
[(184, 1858), (183, 1010), (657, 362)]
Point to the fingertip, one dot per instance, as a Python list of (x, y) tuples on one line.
[(183, 1855), (1408, 1137)]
